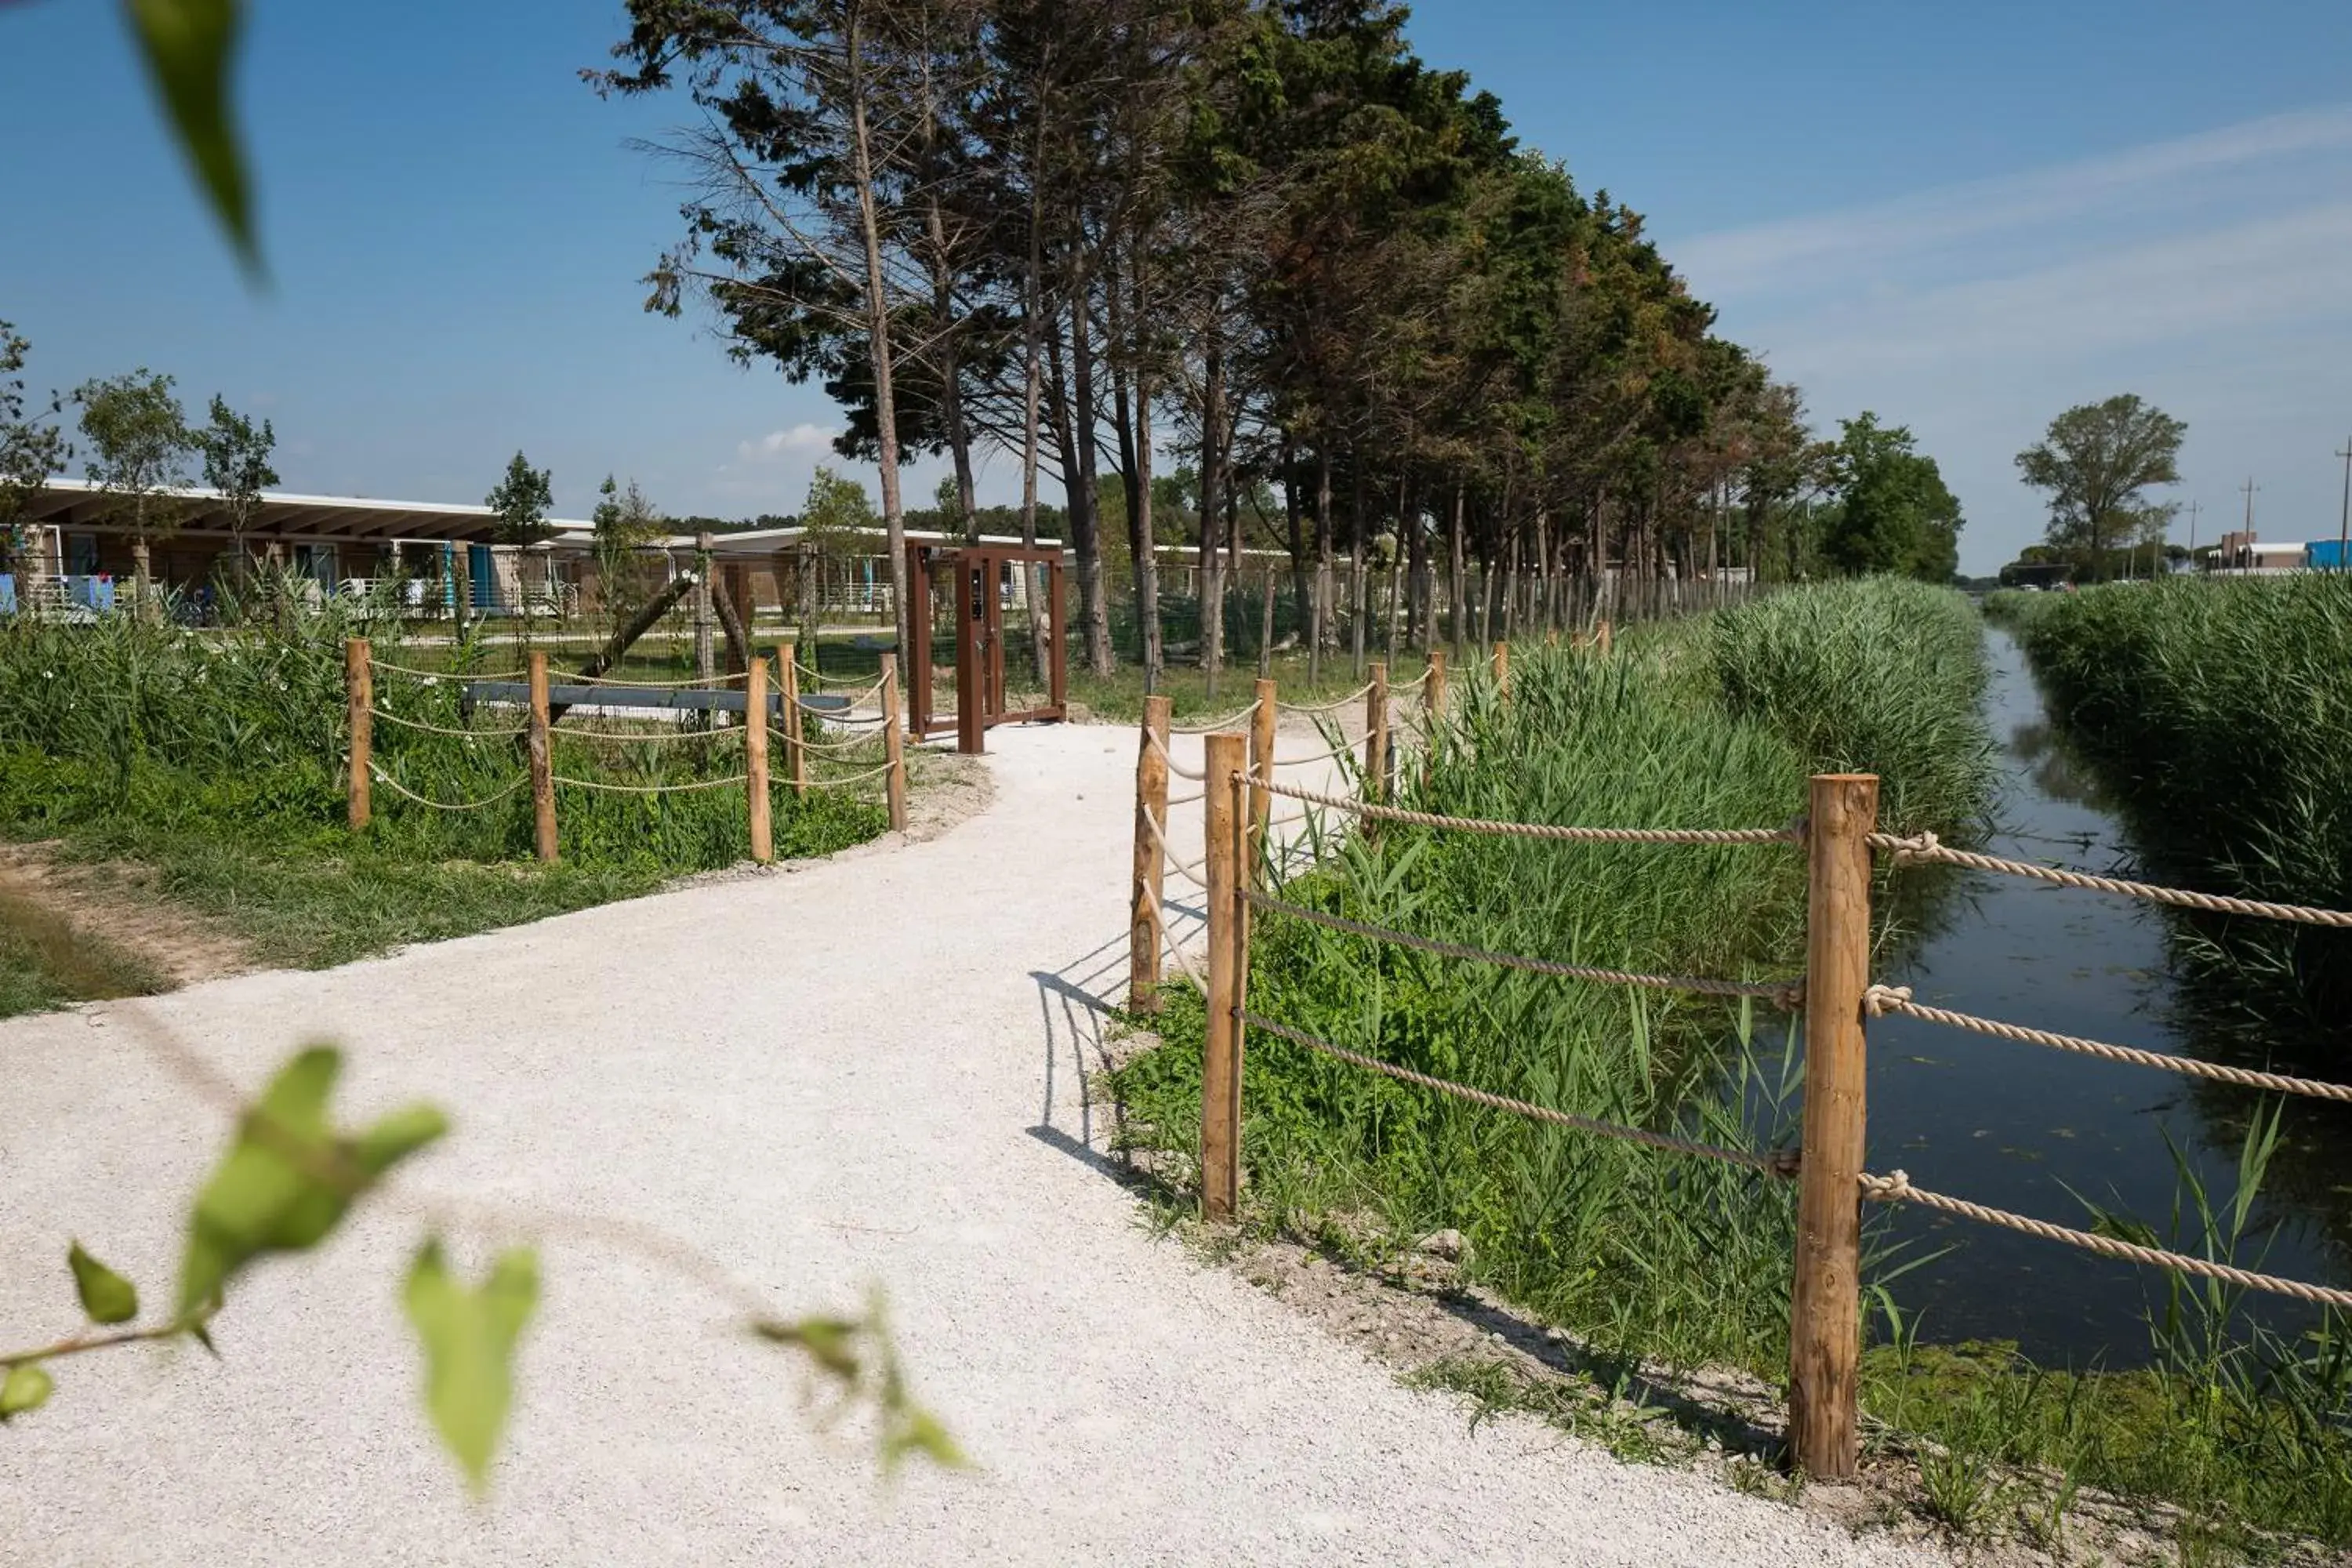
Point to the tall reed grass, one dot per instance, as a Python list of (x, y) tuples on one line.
[(2218, 714)]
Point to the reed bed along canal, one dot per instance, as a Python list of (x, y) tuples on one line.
[(2041, 1132)]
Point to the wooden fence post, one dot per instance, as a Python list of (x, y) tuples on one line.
[(1825, 1330), (1221, 1063), (1376, 734), (1433, 689), (894, 745), (788, 662), (1604, 635), (1261, 761), (1150, 868), (755, 759), (542, 771), (359, 690), (1503, 669)]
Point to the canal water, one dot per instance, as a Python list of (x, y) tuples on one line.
[(2044, 1132)]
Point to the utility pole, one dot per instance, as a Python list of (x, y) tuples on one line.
[(2194, 508), (2343, 526), (2248, 490)]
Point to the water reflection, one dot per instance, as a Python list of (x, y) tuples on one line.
[(2043, 1133)]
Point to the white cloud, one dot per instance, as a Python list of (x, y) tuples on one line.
[(2205, 272), (1763, 256), (799, 438)]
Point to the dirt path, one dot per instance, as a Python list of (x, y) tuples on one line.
[(122, 925), (871, 1071)]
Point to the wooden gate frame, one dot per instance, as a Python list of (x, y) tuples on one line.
[(980, 639)]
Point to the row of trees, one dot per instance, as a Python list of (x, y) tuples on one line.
[(1262, 234)]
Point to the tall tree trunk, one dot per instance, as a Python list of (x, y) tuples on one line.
[(877, 324), (951, 370), (1032, 325), (1147, 560), (1455, 589), (1322, 609), (1086, 528), (1293, 511), (1357, 525), (1082, 367), (1212, 416)]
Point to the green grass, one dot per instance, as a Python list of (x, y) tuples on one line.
[(46, 962), (216, 760)]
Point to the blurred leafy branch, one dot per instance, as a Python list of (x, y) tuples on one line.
[(287, 1181)]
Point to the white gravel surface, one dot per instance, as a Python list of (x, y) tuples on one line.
[(861, 1072)]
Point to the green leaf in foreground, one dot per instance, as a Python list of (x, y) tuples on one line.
[(468, 1337), (26, 1389), (288, 1178), (857, 1356), (189, 47), (106, 1296)]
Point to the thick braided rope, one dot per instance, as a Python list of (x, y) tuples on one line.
[(1925, 848), (853, 778), (403, 791), (1175, 950), (1883, 999), (1789, 834), (847, 743), (1179, 769), (1337, 752), (385, 664), (1786, 994), (1774, 1164), (1193, 872), (705, 681), (444, 730), (1333, 706), (648, 789), (1897, 1188), (1213, 725), (836, 716), (1186, 799), (651, 738)]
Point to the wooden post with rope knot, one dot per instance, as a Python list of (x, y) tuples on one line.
[(894, 745), (788, 668), (1147, 882), (1220, 1059), (1261, 747), (1376, 735), (358, 691), (755, 759), (542, 767), (1825, 1329)]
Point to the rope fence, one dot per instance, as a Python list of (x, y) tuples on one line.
[(1333, 706), (1897, 1188), (402, 790), (1838, 835), (439, 675), (605, 788), (444, 730), (1883, 999), (541, 736), (1924, 848), (1791, 834), (1785, 994), (1778, 1163)]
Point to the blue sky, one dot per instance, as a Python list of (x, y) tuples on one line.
[(1964, 217)]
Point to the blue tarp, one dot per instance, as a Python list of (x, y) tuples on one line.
[(2325, 555), (7, 593)]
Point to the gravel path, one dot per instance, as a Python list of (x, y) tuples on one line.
[(865, 1071)]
